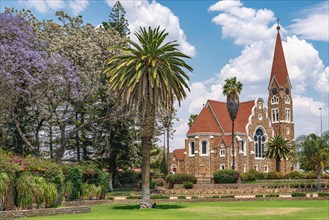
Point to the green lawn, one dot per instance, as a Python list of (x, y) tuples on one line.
[(210, 210)]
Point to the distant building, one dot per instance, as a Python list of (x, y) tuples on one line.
[(209, 140)]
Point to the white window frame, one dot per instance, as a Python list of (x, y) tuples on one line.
[(263, 144), (275, 115), (244, 147), (287, 100), (266, 168), (222, 152), (274, 100), (190, 148), (207, 147), (287, 116)]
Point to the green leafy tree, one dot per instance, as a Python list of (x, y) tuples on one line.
[(148, 77), (278, 148), (117, 20), (232, 88), (314, 154), (191, 119)]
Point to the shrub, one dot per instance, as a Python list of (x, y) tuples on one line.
[(180, 178), (226, 176), (323, 194), (181, 197), (75, 177), (325, 175), (103, 182), (4, 184), (215, 197), (159, 197), (273, 175), (228, 196), (194, 197), (188, 185), (309, 175), (272, 195), (298, 194), (50, 194), (252, 175), (129, 176), (153, 184), (24, 187), (134, 197), (259, 196), (67, 189), (109, 198), (294, 175)]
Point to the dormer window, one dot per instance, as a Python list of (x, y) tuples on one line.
[(274, 100), (287, 100)]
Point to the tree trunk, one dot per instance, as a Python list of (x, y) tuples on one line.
[(59, 153), (77, 144), (168, 136), (51, 142), (319, 181), (277, 164), (110, 183), (233, 162), (147, 133)]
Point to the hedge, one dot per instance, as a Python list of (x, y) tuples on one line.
[(159, 197), (180, 178), (272, 195), (228, 196), (298, 194), (323, 194), (181, 197), (226, 176)]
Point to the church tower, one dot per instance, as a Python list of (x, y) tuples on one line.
[(280, 104)]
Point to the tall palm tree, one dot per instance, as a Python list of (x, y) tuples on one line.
[(278, 148), (149, 76), (315, 154), (232, 89)]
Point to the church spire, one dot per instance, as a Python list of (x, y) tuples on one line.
[(279, 67)]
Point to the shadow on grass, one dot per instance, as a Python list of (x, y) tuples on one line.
[(160, 206)]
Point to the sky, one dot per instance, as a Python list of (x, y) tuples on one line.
[(228, 38)]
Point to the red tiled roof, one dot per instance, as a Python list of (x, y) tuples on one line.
[(226, 139), (179, 154), (279, 67), (205, 122), (223, 116)]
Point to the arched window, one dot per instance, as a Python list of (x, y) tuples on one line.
[(192, 148), (287, 100), (243, 147), (174, 168), (274, 100), (259, 139), (204, 150)]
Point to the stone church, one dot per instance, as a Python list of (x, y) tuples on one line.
[(209, 139)]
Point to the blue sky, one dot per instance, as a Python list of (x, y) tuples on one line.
[(229, 38)]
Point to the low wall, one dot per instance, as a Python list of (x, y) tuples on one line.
[(43, 212), (87, 202)]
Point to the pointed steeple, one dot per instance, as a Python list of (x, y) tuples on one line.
[(279, 67)]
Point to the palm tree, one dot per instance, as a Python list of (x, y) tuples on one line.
[(232, 89), (315, 154), (278, 148), (149, 77)]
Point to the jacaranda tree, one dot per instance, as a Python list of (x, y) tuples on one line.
[(148, 77)]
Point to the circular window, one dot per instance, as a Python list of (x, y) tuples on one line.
[(260, 117)]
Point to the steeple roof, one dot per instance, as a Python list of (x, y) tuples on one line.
[(279, 68)]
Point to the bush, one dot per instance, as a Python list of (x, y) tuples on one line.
[(194, 197), (215, 197), (24, 188), (75, 176), (226, 176), (134, 197), (67, 189), (188, 185), (273, 175), (228, 196), (259, 196), (310, 175), (252, 175), (181, 197), (180, 178), (159, 197), (298, 194), (129, 176), (272, 195), (103, 182), (294, 175), (153, 184), (323, 194), (109, 198), (4, 184)]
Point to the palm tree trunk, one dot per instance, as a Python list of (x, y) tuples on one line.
[(319, 181), (277, 164), (147, 133), (233, 162)]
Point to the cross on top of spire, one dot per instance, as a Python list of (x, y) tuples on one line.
[(278, 23)]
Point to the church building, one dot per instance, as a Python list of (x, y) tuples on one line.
[(208, 145)]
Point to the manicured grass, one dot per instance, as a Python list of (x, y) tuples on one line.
[(264, 210)]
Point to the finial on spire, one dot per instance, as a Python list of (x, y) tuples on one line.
[(278, 23)]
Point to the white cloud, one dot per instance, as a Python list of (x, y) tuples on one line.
[(44, 6), (78, 6), (323, 83), (314, 26), (244, 25), (145, 14)]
